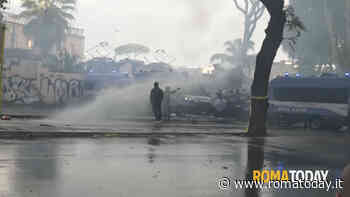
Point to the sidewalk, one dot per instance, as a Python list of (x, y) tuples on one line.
[(44, 112), (33, 122), (118, 128)]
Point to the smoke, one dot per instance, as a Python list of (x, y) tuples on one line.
[(127, 102), (198, 25), (112, 103), (201, 14), (134, 100)]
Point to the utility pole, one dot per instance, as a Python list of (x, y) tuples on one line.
[(2, 55)]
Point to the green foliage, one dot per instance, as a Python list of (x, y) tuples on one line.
[(295, 25), (2, 4), (49, 21), (64, 62), (293, 21), (234, 53), (70, 63), (234, 50), (129, 49), (314, 45), (222, 57)]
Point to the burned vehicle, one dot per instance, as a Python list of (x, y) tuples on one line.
[(227, 105), (232, 104), (196, 105)]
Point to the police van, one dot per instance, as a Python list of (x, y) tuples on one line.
[(322, 102)]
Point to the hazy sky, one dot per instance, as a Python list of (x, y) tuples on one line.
[(190, 30)]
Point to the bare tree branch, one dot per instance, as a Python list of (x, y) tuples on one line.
[(239, 7), (260, 12), (251, 31), (246, 5), (254, 14), (252, 1), (253, 8)]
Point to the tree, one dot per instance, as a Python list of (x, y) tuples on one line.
[(264, 61), (2, 4), (233, 51), (63, 62), (252, 10), (234, 54), (70, 63), (160, 55), (328, 41), (237, 50), (128, 49), (48, 21), (222, 57), (337, 18)]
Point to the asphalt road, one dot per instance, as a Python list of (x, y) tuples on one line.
[(165, 165), (47, 128)]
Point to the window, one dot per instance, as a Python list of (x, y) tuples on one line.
[(314, 95)]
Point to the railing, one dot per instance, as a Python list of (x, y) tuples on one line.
[(13, 18)]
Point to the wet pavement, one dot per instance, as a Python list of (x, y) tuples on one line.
[(47, 128), (165, 165)]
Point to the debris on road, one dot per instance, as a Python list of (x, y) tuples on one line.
[(46, 125), (5, 117)]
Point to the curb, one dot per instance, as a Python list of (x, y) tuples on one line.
[(33, 134), (199, 120), (17, 116)]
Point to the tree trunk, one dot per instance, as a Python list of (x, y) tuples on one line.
[(2, 56), (347, 36), (264, 61), (347, 46), (348, 116)]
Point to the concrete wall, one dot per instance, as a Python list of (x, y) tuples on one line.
[(29, 83)]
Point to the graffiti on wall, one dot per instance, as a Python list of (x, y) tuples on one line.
[(17, 89), (59, 90), (48, 89)]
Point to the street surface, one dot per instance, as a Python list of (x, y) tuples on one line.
[(154, 164)]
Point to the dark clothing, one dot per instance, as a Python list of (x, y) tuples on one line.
[(157, 110), (156, 101)]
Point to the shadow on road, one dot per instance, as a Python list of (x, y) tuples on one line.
[(255, 161)]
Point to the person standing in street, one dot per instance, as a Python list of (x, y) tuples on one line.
[(156, 101), (167, 100)]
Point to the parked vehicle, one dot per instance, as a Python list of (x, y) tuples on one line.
[(197, 105), (322, 102), (232, 106)]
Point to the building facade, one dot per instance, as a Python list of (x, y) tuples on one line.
[(16, 39)]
